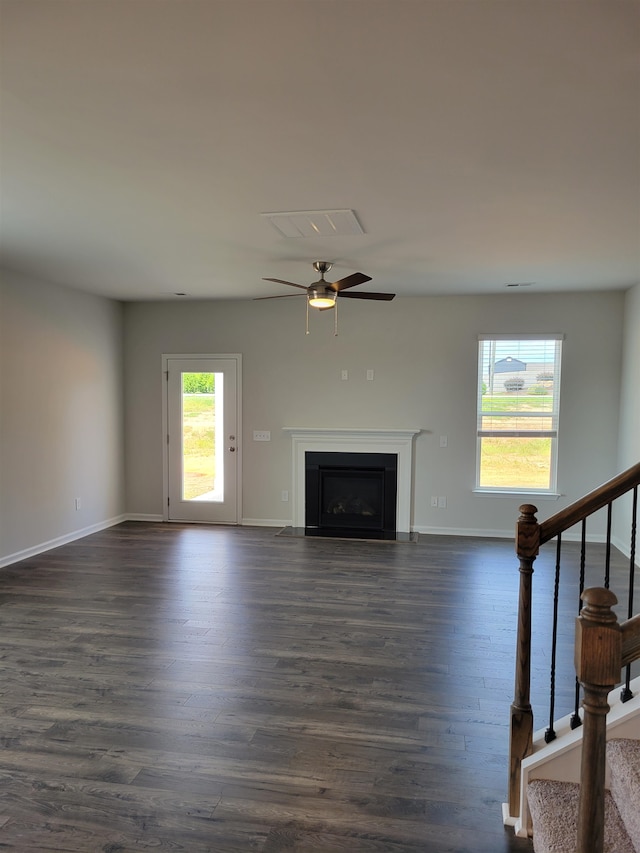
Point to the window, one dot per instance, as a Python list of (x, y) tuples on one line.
[(518, 404)]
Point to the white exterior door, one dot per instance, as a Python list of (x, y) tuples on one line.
[(202, 469)]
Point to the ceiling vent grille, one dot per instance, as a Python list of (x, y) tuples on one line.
[(315, 223)]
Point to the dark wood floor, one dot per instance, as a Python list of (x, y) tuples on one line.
[(191, 688)]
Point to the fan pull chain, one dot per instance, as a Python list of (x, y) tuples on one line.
[(307, 301), (335, 318)]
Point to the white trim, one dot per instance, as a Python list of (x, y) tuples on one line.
[(398, 441), (560, 759), (165, 426), (144, 516), (623, 547), (9, 559), (484, 349), (594, 538), (463, 531), (526, 336), (26, 553), (506, 493)]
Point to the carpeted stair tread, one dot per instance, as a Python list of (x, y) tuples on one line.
[(554, 811), (623, 757)]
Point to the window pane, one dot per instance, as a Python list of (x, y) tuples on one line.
[(519, 375), (518, 406), (520, 421), (202, 463), (515, 463)]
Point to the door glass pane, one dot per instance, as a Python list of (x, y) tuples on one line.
[(202, 437)]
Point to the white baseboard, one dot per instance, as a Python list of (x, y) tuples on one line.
[(624, 548), (463, 531), (41, 547), (60, 540), (483, 533), (269, 522), (141, 516)]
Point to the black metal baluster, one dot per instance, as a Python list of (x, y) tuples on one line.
[(626, 693), (607, 564), (550, 733), (575, 718)]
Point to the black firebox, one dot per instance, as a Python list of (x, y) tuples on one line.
[(351, 494)]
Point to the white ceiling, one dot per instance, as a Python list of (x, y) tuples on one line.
[(479, 142)]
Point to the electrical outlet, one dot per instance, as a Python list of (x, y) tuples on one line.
[(370, 375), (443, 441), (442, 502), (261, 435), (284, 495), (344, 375), (434, 500)]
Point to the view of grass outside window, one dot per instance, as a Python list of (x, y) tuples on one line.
[(518, 404), (198, 435)]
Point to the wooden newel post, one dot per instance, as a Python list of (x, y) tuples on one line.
[(598, 657), (521, 738)]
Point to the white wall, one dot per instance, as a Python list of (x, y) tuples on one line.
[(61, 417), (423, 351)]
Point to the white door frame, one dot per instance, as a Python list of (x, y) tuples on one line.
[(165, 427)]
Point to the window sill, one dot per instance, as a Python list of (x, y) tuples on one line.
[(518, 493)]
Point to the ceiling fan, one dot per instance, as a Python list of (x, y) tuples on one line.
[(323, 294)]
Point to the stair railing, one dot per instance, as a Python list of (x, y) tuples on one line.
[(530, 536), (603, 649)]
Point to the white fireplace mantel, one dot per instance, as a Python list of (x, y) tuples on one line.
[(398, 441)]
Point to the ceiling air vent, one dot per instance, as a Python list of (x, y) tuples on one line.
[(315, 223)]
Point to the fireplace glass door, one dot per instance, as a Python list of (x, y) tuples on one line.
[(351, 494), (351, 498)]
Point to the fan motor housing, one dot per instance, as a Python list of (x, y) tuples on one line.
[(322, 266)]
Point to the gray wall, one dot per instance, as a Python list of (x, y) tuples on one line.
[(630, 384), (62, 406), (61, 417), (629, 440), (423, 351)]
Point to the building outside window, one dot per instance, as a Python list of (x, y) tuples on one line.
[(518, 409)]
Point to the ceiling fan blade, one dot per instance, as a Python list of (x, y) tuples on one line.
[(281, 296), (363, 294), (290, 283), (350, 281)]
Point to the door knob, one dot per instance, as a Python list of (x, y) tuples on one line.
[(232, 450)]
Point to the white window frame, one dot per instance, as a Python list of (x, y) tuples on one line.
[(552, 433)]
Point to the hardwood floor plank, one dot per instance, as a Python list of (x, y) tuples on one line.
[(213, 690)]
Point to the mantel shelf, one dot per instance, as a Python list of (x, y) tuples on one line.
[(351, 433)]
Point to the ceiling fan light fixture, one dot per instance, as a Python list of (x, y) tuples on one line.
[(321, 297)]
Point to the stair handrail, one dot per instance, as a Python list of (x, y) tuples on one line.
[(590, 503), (603, 648), (530, 535)]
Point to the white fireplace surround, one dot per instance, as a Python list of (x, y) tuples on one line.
[(398, 441)]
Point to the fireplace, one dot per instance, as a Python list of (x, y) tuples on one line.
[(351, 494), (358, 442)]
